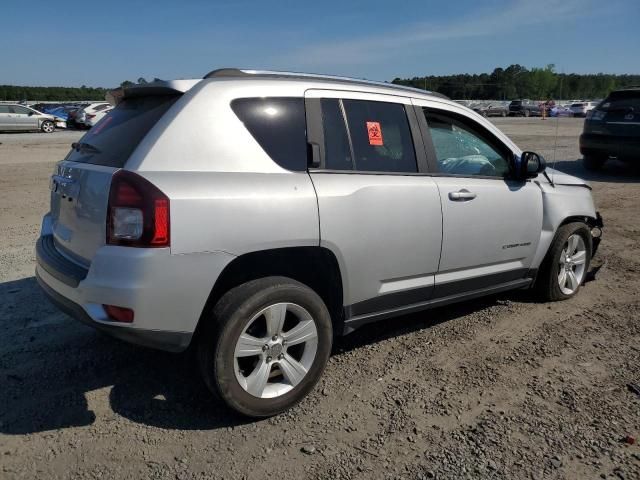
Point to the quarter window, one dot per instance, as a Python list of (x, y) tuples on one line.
[(462, 149), (278, 124)]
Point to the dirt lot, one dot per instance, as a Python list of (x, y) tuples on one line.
[(497, 388)]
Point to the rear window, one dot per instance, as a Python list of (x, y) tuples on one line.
[(278, 124), (622, 101), (114, 138)]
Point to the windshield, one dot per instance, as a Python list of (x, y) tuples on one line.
[(114, 138)]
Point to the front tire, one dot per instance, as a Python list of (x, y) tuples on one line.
[(565, 267), (47, 126), (265, 345)]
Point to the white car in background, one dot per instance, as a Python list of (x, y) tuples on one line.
[(92, 118), (582, 108), (81, 116)]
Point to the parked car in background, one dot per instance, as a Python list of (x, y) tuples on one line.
[(612, 129), (258, 215), (81, 116), (92, 118), (581, 109), (492, 110), (19, 117), (73, 110), (524, 108), (561, 111)]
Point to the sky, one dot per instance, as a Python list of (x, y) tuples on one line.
[(101, 44)]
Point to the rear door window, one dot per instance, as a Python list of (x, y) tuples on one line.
[(111, 141), (279, 125), (380, 136), (336, 141)]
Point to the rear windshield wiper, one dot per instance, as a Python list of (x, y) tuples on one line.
[(82, 146)]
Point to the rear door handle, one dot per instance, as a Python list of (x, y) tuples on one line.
[(462, 195)]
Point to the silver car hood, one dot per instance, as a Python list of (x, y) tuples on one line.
[(561, 178)]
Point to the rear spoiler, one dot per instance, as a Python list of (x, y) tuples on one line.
[(169, 87)]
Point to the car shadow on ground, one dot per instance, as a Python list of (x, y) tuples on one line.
[(613, 171), (50, 366)]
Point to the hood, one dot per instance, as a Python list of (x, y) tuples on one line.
[(561, 178)]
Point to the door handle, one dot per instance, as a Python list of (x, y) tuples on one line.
[(462, 195)]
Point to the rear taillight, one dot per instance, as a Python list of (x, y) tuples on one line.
[(138, 212)]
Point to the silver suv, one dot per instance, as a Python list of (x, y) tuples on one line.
[(256, 215)]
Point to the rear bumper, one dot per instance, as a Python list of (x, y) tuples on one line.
[(166, 292), (625, 148), (161, 340)]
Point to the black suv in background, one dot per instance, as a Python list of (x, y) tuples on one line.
[(525, 108), (612, 129)]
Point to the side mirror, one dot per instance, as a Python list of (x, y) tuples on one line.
[(31, 113), (529, 165)]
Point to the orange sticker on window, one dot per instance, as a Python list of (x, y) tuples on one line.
[(375, 133)]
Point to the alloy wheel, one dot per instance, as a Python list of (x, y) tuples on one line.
[(276, 350), (572, 264)]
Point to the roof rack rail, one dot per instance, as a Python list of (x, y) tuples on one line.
[(241, 72)]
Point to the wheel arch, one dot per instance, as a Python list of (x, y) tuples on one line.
[(317, 267)]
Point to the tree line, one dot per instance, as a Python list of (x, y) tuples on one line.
[(60, 94), (516, 81)]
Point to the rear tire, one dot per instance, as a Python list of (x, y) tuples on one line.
[(570, 251), (593, 162), (248, 357)]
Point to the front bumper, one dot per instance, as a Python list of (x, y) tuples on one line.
[(596, 233), (625, 148)]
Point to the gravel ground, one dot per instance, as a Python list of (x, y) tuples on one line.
[(501, 387)]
